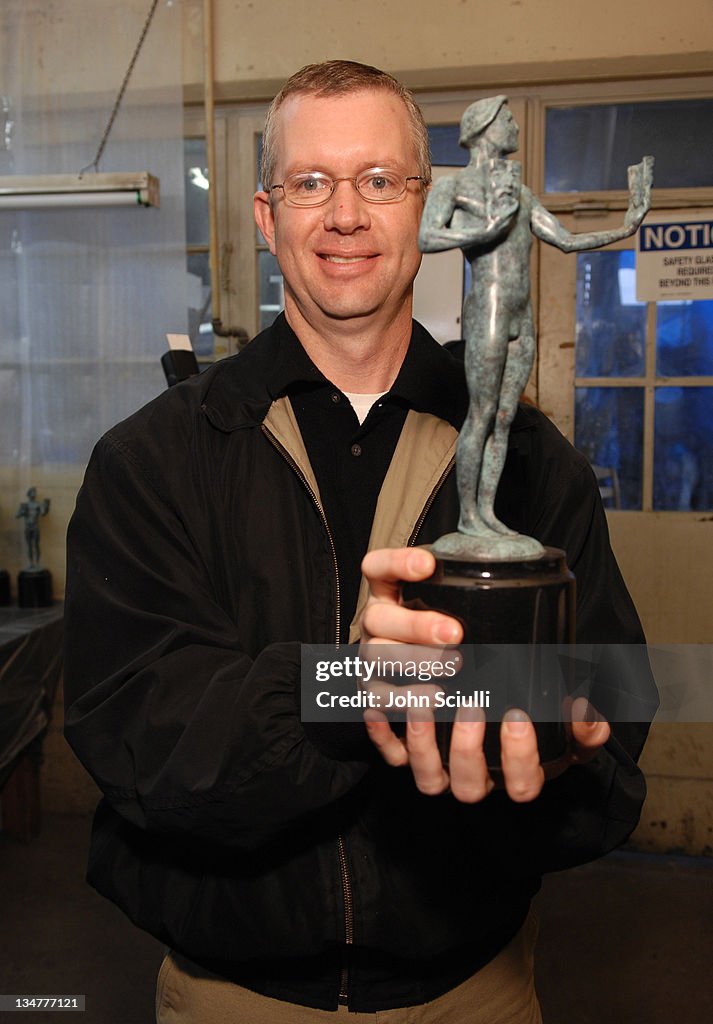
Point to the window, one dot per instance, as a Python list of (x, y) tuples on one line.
[(643, 404), (640, 364), (589, 147), (195, 165)]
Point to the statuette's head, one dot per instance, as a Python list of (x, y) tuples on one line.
[(491, 115)]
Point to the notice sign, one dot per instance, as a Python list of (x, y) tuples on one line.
[(674, 259)]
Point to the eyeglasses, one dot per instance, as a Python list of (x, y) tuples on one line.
[(312, 188)]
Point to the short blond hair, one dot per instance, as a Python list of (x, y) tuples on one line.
[(336, 78)]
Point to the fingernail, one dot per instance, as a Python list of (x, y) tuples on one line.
[(419, 563), (446, 633), (516, 722), (416, 726)]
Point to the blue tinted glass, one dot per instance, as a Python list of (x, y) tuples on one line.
[(608, 429), (445, 151), (684, 339), (611, 324), (200, 323), (195, 170), (591, 147), (683, 449), (272, 294)]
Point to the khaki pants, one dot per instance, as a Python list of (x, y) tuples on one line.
[(503, 992)]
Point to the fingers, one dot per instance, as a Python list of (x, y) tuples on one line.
[(424, 757), (470, 779), (589, 731), (419, 751), (468, 774), (522, 772), (385, 568), (384, 617), (384, 739), (404, 625)]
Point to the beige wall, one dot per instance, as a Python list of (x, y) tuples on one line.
[(665, 559), (430, 45), (451, 42)]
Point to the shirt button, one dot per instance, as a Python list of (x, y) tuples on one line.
[(336, 397), (356, 449)]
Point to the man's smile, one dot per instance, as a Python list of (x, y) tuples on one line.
[(333, 258)]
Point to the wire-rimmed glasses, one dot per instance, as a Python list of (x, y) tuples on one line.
[(376, 185)]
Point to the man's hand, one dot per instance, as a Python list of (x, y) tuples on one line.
[(386, 621)]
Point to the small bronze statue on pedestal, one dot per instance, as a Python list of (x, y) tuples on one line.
[(505, 588), (34, 584)]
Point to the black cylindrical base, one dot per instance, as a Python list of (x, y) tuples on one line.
[(506, 602), (34, 588), (5, 596)]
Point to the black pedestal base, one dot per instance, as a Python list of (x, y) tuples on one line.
[(34, 588), (5, 596), (506, 602)]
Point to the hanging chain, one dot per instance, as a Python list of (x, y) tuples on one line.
[(122, 90)]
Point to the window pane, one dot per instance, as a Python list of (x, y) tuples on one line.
[(200, 310), (195, 170), (445, 151), (272, 298), (608, 429), (611, 324), (684, 338), (683, 449), (590, 147)]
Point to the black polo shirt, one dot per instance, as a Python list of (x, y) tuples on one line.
[(350, 460)]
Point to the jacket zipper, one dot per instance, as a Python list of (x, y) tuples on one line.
[(343, 865), (348, 920), (341, 844), (427, 507), (296, 469)]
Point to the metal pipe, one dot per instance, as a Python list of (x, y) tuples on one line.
[(209, 105)]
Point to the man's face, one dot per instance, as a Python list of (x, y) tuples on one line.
[(349, 258)]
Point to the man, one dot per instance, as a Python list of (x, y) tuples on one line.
[(294, 874)]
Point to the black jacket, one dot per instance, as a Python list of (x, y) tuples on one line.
[(198, 560)]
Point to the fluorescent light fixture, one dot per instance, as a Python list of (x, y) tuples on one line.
[(47, 191), (198, 178)]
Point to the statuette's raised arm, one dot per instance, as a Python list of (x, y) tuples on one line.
[(548, 229)]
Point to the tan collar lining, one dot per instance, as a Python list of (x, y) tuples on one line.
[(425, 450)]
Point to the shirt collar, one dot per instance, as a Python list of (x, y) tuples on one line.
[(430, 379), (293, 365), (237, 392)]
